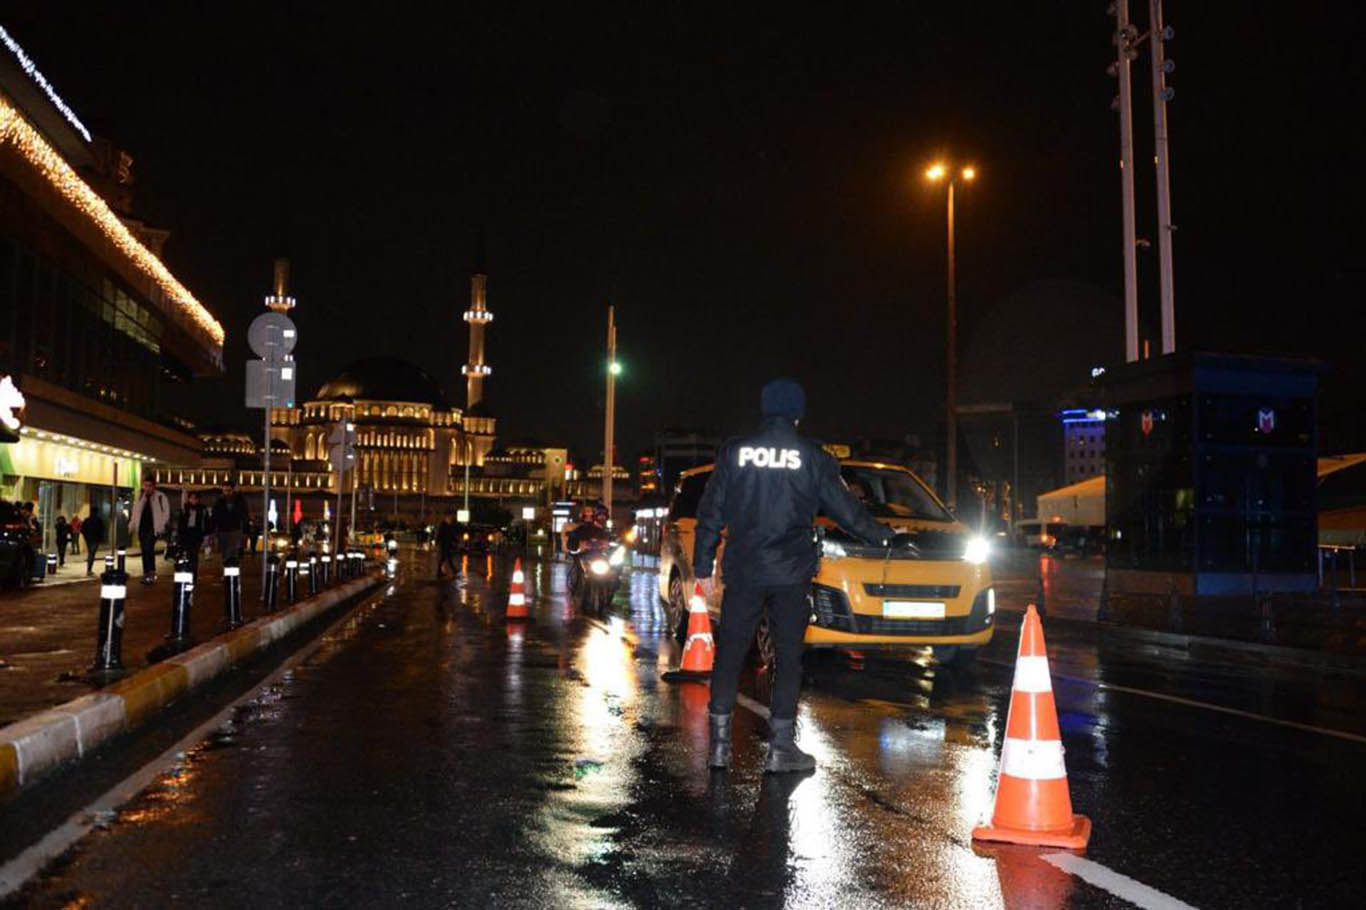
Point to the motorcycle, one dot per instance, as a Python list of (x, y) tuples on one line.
[(598, 565)]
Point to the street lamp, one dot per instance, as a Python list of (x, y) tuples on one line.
[(951, 174)]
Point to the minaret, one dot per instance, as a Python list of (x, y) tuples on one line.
[(478, 315), (280, 301)]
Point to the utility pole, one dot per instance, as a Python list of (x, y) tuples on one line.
[(612, 369), (1157, 35), (951, 377), (1125, 36)]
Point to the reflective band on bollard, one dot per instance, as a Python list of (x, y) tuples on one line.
[(326, 568), (312, 575), (121, 559), (52, 563), (292, 580), (232, 596), (109, 643), (109, 562)]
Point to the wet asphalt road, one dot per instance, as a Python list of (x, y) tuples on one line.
[(430, 755)]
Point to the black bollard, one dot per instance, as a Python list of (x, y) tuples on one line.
[(109, 642), (312, 574), (52, 563), (305, 579), (325, 566), (121, 560), (182, 598), (232, 594), (271, 592), (109, 562), (292, 580)]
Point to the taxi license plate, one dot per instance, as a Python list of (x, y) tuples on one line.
[(913, 609)]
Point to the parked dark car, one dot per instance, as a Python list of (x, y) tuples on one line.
[(16, 546)]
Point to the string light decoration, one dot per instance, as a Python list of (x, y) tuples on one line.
[(18, 132), (28, 66)]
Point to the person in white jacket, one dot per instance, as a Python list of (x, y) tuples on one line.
[(151, 516)]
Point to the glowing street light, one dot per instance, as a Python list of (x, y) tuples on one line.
[(615, 368), (934, 173)]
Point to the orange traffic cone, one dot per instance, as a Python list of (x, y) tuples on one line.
[(517, 608), (700, 648), (1032, 803)]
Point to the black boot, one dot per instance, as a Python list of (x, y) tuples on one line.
[(719, 754), (783, 754)]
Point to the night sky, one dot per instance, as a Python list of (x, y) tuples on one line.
[(744, 187)]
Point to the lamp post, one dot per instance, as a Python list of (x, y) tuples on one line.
[(951, 175), (613, 371)]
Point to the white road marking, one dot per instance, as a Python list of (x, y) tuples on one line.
[(34, 859), (1135, 892), (1192, 703)]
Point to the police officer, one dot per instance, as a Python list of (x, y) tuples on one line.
[(765, 491)]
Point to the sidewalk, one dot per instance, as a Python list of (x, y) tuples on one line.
[(74, 570), (48, 632)]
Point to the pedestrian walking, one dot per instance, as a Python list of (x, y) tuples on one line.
[(230, 520), (193, 526), (445, 543), (251, 536), (92, 529), (765, 492), (63, 532), (149, 522), (75, 534)]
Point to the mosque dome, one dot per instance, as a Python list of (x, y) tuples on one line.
[(384, 379)]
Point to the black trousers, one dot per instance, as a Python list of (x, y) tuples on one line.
[(90, 547), (447, 558), (789, 609), (61, 553), (148, 539)]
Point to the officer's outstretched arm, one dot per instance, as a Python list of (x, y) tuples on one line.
[(845, 508), (709, 518)]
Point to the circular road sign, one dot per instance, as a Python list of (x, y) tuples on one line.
[(272, 335)]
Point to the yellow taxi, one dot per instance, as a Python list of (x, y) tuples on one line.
[(934, 588)]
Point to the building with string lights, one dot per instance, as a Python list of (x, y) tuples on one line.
[(93, 325)]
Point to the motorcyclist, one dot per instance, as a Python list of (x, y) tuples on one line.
[(765, 492), (592, 527)]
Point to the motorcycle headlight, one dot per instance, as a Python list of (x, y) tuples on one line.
[(832, 550), (977, 551), (618, 556), (599, 567)]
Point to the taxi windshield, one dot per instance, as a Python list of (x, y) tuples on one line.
[(892, 494)]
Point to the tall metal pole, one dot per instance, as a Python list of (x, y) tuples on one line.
[(1161, 154), (341, 485), (467, 477), (611, 410), (951, 377), (265, 492), (351, 529), (1125, 53)]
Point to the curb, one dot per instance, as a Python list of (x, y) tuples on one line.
[(31, 747)]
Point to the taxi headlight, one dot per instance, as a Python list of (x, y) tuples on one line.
[(599, 567), (618, 556), (832, 550), (977, 551), (991, 601)]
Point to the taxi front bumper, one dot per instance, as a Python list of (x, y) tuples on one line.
[(835, 624)]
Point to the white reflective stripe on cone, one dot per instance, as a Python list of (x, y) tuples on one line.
[(699, 636), (518, 578), (182, 577), (1031, 675), (697, 605), (231, 571), (1033, 759), (516, 600), (113, 592)]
